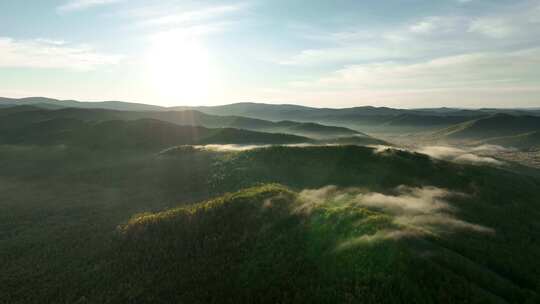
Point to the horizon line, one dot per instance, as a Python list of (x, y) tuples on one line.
[(275, 104)]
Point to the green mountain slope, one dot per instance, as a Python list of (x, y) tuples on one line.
[(51, 103), (372, 119), (497, 125), (270, 244), (526, 141), (82, 225), (134, 134), (16, 116), (366, 118)]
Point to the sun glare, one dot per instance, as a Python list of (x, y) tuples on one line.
[(179, 68)]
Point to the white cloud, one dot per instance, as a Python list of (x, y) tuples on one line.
[(462, 71), (183, 21), (42, 53), (423, 27), (504, 27), (190, 16), (338, 55), (492, 27), (77, 5), (439, 25)]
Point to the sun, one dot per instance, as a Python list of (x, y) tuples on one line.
[(179, 68)]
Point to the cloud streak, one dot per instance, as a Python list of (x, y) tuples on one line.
[(47, 54), (470, 70), (79, 5), (427, 59), (190, 16)]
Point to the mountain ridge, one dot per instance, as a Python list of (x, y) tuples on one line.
[(16, 115)]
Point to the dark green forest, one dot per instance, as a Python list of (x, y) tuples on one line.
[(199, 226), (99, 209)]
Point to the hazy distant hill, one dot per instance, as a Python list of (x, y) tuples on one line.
[(134, 134), (26, 114), (426, 121), (50, 103), (365, 118), (293, 112), (497, 125), (524, 141), (190, 117), (267, 111)]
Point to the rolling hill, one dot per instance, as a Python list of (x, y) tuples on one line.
[(273, 249), (526, 141), (344, 224), (134, 134), (497, 125), (51, 103), (15, 116), (366, 118)]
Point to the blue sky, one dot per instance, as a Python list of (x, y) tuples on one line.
[(408, 53)]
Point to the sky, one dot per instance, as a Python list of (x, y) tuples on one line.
[(406, 54)]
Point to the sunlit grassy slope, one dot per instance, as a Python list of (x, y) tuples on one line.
[(269, 244)]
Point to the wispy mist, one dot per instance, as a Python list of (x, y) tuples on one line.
[(463, 155), (414, 211)]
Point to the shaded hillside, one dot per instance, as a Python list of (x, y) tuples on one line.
[(294, 112), (365, 118), (135, 134), (497, 125), (257, 110), (274, 112), (447, 233), (17, 109), (354, 140), (17, 116), (291, 127), (303, 113), (51, 103), (526, 141), (370, 119), (425, 122)]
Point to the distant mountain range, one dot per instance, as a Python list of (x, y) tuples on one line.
[(523, 141), (365, 118), (494, 126), (449, 124), (134, 134), (501, 129), (266, 111), (51, 103), (15, 116)]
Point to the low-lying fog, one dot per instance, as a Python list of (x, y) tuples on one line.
[(479, 155)]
